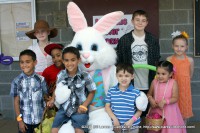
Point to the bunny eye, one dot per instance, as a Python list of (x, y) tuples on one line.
[(79, 47), (94, 47)]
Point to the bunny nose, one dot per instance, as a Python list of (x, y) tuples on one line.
[(86, 55)]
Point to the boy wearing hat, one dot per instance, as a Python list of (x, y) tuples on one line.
[(42, 32), (50, 73)]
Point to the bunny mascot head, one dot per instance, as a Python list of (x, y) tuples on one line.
[(98, 58), (95, 52)]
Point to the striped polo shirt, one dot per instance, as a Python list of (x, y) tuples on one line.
[(122, 103)]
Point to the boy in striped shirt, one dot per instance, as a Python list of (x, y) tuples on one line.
[(120, 101)]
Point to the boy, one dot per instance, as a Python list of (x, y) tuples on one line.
[(82, 92), (28, 90), (139, 47), (120, 101), (50, 73)]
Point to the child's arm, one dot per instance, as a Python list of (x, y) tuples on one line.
[(83, 107), (110, 113), (22, 125), (174, 97), (130, 122), (191, 66), (50, 103), (151, 97), (113, 117)]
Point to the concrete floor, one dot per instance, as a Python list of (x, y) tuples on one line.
[(10, 126)]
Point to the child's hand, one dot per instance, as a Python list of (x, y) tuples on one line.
[(22, 127), (161, 104), (82, 109), (50, 103), (129, 123), (48, 98), (153, 103), (117, 127)]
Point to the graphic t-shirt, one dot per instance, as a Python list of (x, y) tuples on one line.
[(139, 50)]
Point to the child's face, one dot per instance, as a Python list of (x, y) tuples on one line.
[(139, 22), (180, 46), (71, 62), (42, 34), (163, 75), (124, 78), (57, 57), (27, 64)]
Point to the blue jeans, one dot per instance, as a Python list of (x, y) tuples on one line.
[(30, 128), (78, 120)]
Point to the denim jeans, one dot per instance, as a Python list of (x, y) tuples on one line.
[(78, 120)]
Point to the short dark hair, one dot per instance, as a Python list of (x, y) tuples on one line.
[(125, 67), (71, 49), (180, 37), (29, 53), (140, 12), (168, 66)]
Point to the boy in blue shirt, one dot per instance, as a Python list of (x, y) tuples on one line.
[(28, 90), (82, 92), (120, 101)]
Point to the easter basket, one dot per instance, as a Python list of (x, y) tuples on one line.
[(154, 121), (47, 121)]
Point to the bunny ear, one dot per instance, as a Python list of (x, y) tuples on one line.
[(107, 22), (76, 17)]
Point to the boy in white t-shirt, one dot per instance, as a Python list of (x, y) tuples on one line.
[(139, 47)]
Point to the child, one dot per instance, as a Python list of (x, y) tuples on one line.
[(163, 96), (120, 101), (28, 90), (42, 32), (184, 66), (139, 47), (82, 92), (50, 73)]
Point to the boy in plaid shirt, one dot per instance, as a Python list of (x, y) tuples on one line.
[(28, 90), (82, 92)]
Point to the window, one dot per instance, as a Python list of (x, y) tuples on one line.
[(16, 18)]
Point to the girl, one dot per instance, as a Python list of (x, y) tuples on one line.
[(184, 66), (163, 95), (50, 73), (42, 32)]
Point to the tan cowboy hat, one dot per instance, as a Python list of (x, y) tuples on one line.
[(42, 24)]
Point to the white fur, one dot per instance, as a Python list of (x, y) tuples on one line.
[(141, 101), (62, 93), (67, 128), (100, 122)]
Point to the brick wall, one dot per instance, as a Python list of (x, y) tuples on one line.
[(173, 15)]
